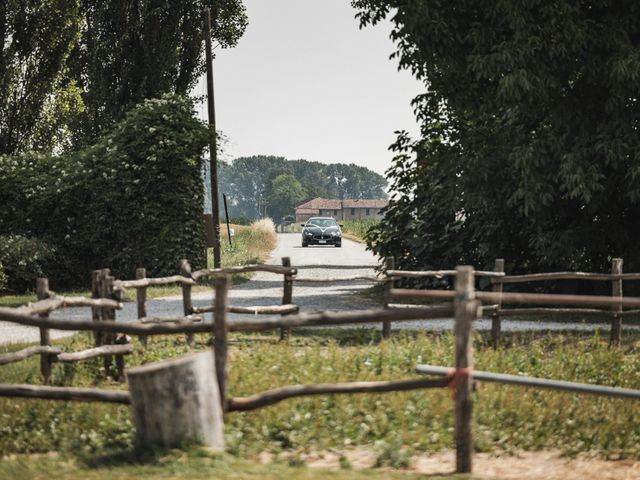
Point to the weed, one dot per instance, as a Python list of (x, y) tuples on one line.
[(357, 228), (506, 418)]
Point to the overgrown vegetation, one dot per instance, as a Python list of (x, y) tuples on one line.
[(249, 181), (358, 228), (23, 260), (528, 148), (250, 244), (178, 465), (71, 68), (398, 424), (134, 198)]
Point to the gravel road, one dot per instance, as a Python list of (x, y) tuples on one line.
[(312, 262)]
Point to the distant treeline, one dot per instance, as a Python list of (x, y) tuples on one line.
[(281, 184)]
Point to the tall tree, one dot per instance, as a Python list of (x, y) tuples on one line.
[(36, 37), (246, 179), (130, 50), (530, 147), (285, 193)]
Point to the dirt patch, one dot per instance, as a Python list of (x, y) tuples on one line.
[(545, 465)]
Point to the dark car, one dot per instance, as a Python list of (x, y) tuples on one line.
[(321, 231)]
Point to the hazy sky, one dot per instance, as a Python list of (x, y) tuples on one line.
[(306, 82)]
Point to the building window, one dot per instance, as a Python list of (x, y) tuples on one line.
[(353, 211), (367, 212), (335, 213)]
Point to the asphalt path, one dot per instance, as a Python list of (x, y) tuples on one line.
[(312, 262)]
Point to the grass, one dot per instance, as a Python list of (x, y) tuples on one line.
[(397, 425), (192, 464), (357, 228), (251, 244)]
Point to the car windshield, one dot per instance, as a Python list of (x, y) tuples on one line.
[(322, 222)]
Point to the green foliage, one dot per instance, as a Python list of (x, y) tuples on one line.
[(36, 37), (132, 199), (133, 50), (251, 244), (529, 147), (3, 278), (240, 221), (506, 418), (196, 463), (359, 227), (70, 69), (247, 179), (23, 260), (286, 192)]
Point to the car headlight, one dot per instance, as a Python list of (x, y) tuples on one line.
[(335, 234), (308, 233)]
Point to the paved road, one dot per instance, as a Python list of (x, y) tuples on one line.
[(266, 289), (263, 289)]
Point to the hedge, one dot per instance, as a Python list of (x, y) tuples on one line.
[(133, 199)]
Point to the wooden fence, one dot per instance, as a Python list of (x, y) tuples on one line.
[(463, 303), (467, 307), (610, 308), (48, 302), (106, 293)]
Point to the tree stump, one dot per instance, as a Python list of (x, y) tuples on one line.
[(177, 402)]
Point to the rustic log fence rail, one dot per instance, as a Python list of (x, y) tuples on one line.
[(48, 302), (464, 305), (611, 308)]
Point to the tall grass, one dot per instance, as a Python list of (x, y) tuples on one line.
[(250, 244), (357, 228), (506, 418)]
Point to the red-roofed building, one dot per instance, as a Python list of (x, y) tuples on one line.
[(339, 209)]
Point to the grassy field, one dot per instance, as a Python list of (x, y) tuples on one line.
[(357, 228), (251, 244), (177, 465), (395, 425)]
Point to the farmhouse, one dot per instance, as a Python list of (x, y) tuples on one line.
[(340, 209)]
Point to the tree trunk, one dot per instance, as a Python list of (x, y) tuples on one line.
[(177, 402)]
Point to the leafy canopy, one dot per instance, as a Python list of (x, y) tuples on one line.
[(286, 193), (36, 37), (131, 50), (247, 179), (132, 199), (71, 68), (529, 145)]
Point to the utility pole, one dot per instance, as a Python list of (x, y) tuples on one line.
[(213, 153)]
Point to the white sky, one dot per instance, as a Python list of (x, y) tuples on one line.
[(305, 82)]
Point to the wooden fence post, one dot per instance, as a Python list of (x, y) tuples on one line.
[(96, 312), (220, 330), (496, 323), (389, 264), (175, 403), (141, 300), (187, 304), (616, 291), (108, 315), (287, 296), (465, 311), (42, 292)]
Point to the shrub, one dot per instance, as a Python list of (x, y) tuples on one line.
[(133, 199), (359, 227), (240, 221), (3, 279), (23, 260), (268, 229)]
